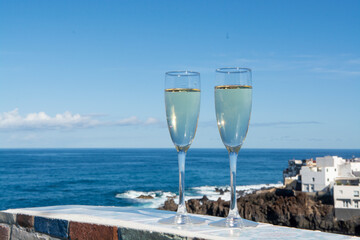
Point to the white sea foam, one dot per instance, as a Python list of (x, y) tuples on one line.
[(159, 197), (214, 195)]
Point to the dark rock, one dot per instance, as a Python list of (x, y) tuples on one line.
[(204, 199), (241, 193), (145, 197), (169, 205), (284, 192), (221, 191), (280, 207)]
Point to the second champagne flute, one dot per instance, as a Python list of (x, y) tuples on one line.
[(233, 100), (182, 103)]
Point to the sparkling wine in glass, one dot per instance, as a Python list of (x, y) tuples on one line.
[(182, 104), (233, 100)]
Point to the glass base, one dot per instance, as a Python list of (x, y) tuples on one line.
[(180, 219), (232, 222)]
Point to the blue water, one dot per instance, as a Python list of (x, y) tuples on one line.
[(43, 177)]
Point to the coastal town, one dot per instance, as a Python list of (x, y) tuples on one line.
[(317, 194), (331, 176)]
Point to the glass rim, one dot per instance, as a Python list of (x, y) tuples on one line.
[(229, 70), (182, 73)]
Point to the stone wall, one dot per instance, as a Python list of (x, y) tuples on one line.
[(346, 213), (79, 222), (26, 227)]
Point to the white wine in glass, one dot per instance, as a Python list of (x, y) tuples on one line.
[(182, 104), (233, 109), (233, 100), (182, 112)]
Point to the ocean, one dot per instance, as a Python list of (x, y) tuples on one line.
[(116, 177)]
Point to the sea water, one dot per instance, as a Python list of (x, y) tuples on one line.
[(116, 177)]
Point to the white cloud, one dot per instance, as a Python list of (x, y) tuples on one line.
[(127, 121), (152, 121), (41, 120)]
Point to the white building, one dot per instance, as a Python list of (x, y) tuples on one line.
[(347, 197), (321, 176), (330, 174)]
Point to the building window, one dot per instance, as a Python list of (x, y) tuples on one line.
[(327, 179), (346, 203), (313, 179), (327, 170), (312, 188), (356, 193), (356, 204), (306, 187)]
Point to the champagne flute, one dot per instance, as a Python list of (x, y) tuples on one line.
[(233, 100), (182, 103)]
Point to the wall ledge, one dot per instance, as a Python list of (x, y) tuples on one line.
[(77, 222)]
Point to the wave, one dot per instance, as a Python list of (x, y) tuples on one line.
[(223, 192), (156, 199)]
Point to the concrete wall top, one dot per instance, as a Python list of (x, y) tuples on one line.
[(90, 222)]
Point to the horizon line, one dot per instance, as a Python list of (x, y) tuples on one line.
[(49, 148)]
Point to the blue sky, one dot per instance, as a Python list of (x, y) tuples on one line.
[(91, 73)]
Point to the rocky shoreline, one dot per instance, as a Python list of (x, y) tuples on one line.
[(279, 207)]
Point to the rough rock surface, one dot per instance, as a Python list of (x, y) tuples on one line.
[(145, 197), (277, 206)]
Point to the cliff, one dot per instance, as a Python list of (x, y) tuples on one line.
[(277, 206)]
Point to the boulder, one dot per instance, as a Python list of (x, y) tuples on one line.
[(145, 197)]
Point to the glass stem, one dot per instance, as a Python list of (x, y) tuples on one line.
[(181, 159), (233, 212)]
